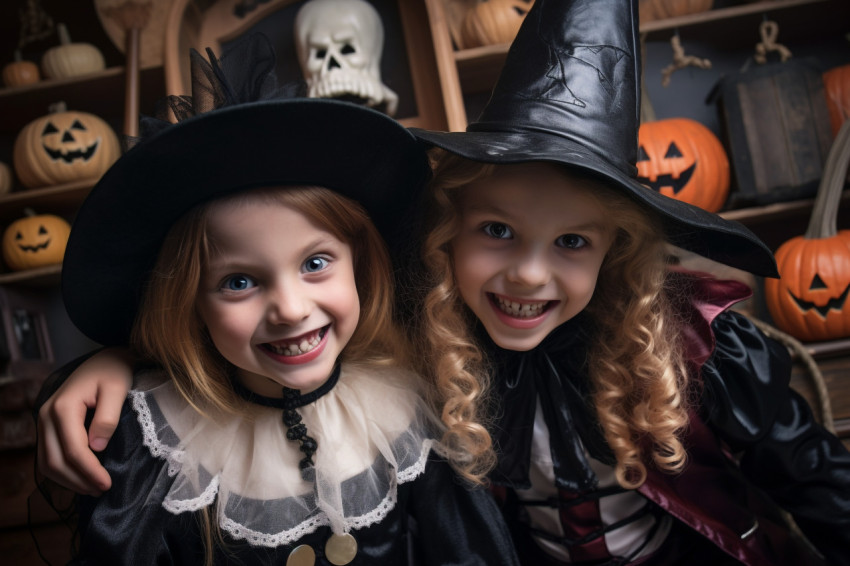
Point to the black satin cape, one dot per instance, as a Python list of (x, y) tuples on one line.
[(744, 401), (437, 519)]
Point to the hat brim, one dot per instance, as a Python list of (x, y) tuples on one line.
[(119, 229), (686, 226)]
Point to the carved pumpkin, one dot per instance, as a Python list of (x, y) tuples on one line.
[(71, 59), (491, 22), (682, 159), (810, 299), (35, 241), (836, 84), (64, 146), (5, 179), (20, 72), (650, 10)]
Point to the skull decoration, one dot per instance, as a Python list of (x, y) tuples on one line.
[(339, 45)]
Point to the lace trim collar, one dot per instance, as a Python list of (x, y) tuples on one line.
[(246, 465)]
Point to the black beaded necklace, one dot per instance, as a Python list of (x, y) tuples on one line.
[(296, 430)]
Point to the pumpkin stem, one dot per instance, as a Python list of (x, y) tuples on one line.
[(64, 36), (29, 212), (59, 106), (17, 56), (822, 223)]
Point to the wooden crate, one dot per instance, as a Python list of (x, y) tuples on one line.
[(775, 126)]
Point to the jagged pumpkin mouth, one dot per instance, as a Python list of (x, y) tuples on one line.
[(72, 155), (667, 180), (835, 303)]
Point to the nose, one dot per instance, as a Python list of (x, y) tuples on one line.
[(288, 305), (530, 269)]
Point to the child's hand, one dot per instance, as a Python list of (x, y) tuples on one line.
[(102, 383)]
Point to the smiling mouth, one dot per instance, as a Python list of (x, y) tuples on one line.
[(517, 309), (298, 345)]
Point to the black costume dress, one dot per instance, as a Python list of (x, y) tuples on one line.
[(750, 436), (369, 480)]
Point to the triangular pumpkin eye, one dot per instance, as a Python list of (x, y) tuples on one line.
[(41, 231), (817, 283), (77, 125), (673, 151), (19, 236), (642, 156), (49, 128)]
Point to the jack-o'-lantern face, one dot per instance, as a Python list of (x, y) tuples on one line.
[(68, 139), (63, 147), (810, 299), (35, 241), (684, 160)]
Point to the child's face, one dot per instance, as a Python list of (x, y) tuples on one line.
[(529, 251), (278, 296)]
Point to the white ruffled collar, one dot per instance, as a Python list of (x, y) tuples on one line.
[(373, 432)]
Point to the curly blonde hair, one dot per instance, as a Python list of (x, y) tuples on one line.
[(635, 358)]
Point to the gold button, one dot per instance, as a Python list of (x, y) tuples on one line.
[(340, 549), (302, 556)]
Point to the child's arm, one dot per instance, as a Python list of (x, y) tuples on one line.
[(64, 446)]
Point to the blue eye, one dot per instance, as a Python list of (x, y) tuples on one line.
[(571, 241), (498, 230), (315, 263), (238, 283)]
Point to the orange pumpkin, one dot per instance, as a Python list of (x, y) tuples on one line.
[(20, 72), (650, 10), (836, 84), (64, 146), (5, 179), (34, 241), (491, 22), (810, 299), (682, 159)]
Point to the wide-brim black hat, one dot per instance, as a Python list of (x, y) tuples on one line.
[(569, 93), (118, 231)]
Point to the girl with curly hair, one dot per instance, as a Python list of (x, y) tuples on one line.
[(635, 418)]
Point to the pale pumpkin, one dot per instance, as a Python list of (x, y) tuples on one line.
[(491, 22), (36, 240), (682, 159), (5, 179), (811, 298), (20, 72), (71, 59), (62, 147)]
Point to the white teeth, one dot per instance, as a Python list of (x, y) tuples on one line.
[(520, 310), (294, 349)]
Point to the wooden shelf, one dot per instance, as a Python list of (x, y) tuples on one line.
[(48, 276), (778, 211), (476, 70), (100, 93), (61, 200)]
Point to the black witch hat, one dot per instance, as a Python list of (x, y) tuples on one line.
[(569, 93), (238, 130)]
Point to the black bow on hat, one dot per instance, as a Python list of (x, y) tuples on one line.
[(569, 93), (238, 133)]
